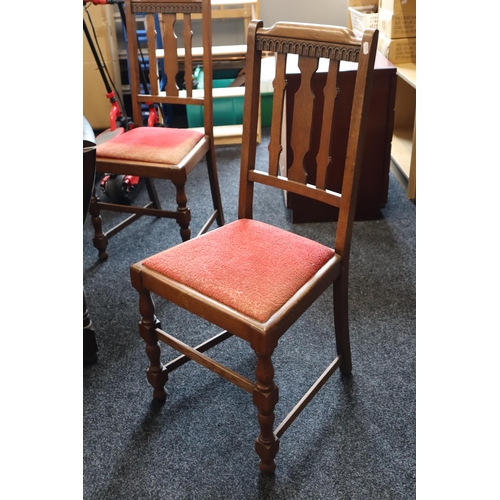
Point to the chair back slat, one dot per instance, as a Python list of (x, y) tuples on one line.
[(323, 159), (170, 59), (188, 58), (302, 119), (153, 64), (279, 89)]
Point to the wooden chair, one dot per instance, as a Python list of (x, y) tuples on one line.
[(159, 151), (249, 278)]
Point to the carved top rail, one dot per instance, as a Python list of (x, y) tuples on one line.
[(275, 39), (166, 7)]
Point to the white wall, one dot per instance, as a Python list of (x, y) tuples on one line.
[(227, 32), (306, 11)]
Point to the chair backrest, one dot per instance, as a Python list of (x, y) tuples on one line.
[(168, 44), (309, 43)]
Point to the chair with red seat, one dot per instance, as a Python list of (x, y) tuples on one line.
[(254, 280), (158, 150)]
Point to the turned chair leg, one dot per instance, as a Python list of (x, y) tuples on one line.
[(341, 320), (156, 373), (89, 341), (265, 397), (100, 240), (153, 194), (183, 213), (214, 186)]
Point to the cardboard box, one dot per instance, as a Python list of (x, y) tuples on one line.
[(398, 50), (397, 25), (399, 6), (363, 17), (96, 106)]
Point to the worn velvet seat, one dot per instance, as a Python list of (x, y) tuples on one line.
[(237, 267), (250, 278), (164, 146), (158, 148)]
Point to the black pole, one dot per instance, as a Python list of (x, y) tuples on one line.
[(142, 75), (97, 58)]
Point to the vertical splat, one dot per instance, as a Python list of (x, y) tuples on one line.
[(188, 58), (170, 48), (330, 94), (151, 36), (302, 119), (279, 87)]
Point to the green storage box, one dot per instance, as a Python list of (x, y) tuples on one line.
[(266, 108), (229, 110)]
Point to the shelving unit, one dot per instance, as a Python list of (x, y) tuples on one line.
[(403, 146), (235, 9), (231, 56), (403, 151)]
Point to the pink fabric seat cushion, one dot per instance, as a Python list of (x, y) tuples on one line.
[(247, 265), (151, 144)]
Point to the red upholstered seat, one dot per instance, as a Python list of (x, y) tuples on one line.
[(151, 144), (247, 265)]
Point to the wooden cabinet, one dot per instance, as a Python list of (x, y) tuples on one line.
[(374, 183)]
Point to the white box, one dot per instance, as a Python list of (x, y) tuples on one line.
[(363, 17), (398, 50), (397, 25), (399, 6)]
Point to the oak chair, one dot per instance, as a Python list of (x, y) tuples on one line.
[(157, 150), (249, 278)]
